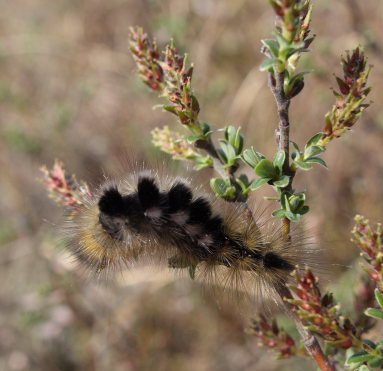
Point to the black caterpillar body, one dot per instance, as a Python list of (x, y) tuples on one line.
[(174, 217), (168, 221)]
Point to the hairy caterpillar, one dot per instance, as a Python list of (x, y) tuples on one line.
[(143, 218)]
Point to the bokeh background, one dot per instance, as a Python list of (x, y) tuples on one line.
[(68, 90)]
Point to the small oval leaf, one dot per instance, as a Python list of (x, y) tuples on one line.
[(360, 357), (258, 183), (218, 186), (282, 182), (379, 297), (314, 139), (268, 63), (279, 213), (375, 313), (279, 160), (265, 169), (272, 45), (312, 151), (303, 165), (316, 160)]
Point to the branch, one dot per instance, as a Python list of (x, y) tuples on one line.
[(276, 84), (309, 341), (276, 80)]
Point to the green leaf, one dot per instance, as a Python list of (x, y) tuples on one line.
[(379, 297), (302, 165), (376, 362), (169, 108), (316, 160), (298, 50), (230, 193), (235, 138), (279, 213), (244, 183), (279, 160), (282, 182), (258, 183), (312, 151), (296, 202), (218, 185), (373, 312), (238, 141), (244, 180), (359, 357), (283, 43), (304, 210), (314, 139), (251, 157), (202, 162), (205, 127), (192, 138), (296, 147), (222, 155), (223, 188), (285, 202), (268, 63), (265, 169), (230, 134), (363, 368), (293, 217), (272, 45), (228, 150)]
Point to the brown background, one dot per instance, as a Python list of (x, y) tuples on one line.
[(68, 90)]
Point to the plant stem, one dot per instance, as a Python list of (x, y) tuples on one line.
[(309, 341), (276, 83)]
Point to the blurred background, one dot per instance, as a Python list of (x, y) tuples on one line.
[(68, 90)]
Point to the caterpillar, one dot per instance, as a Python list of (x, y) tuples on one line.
[(143, 218)]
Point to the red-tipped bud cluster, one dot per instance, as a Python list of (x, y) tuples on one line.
[(147, 58), (173, 61), (168, 74), (354, 82), (370, 241), (320, 314), (353, 66), (64, 188), (350, 100), (271, 336)]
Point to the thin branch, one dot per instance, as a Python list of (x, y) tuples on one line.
[(308, 339), (276, 83)]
